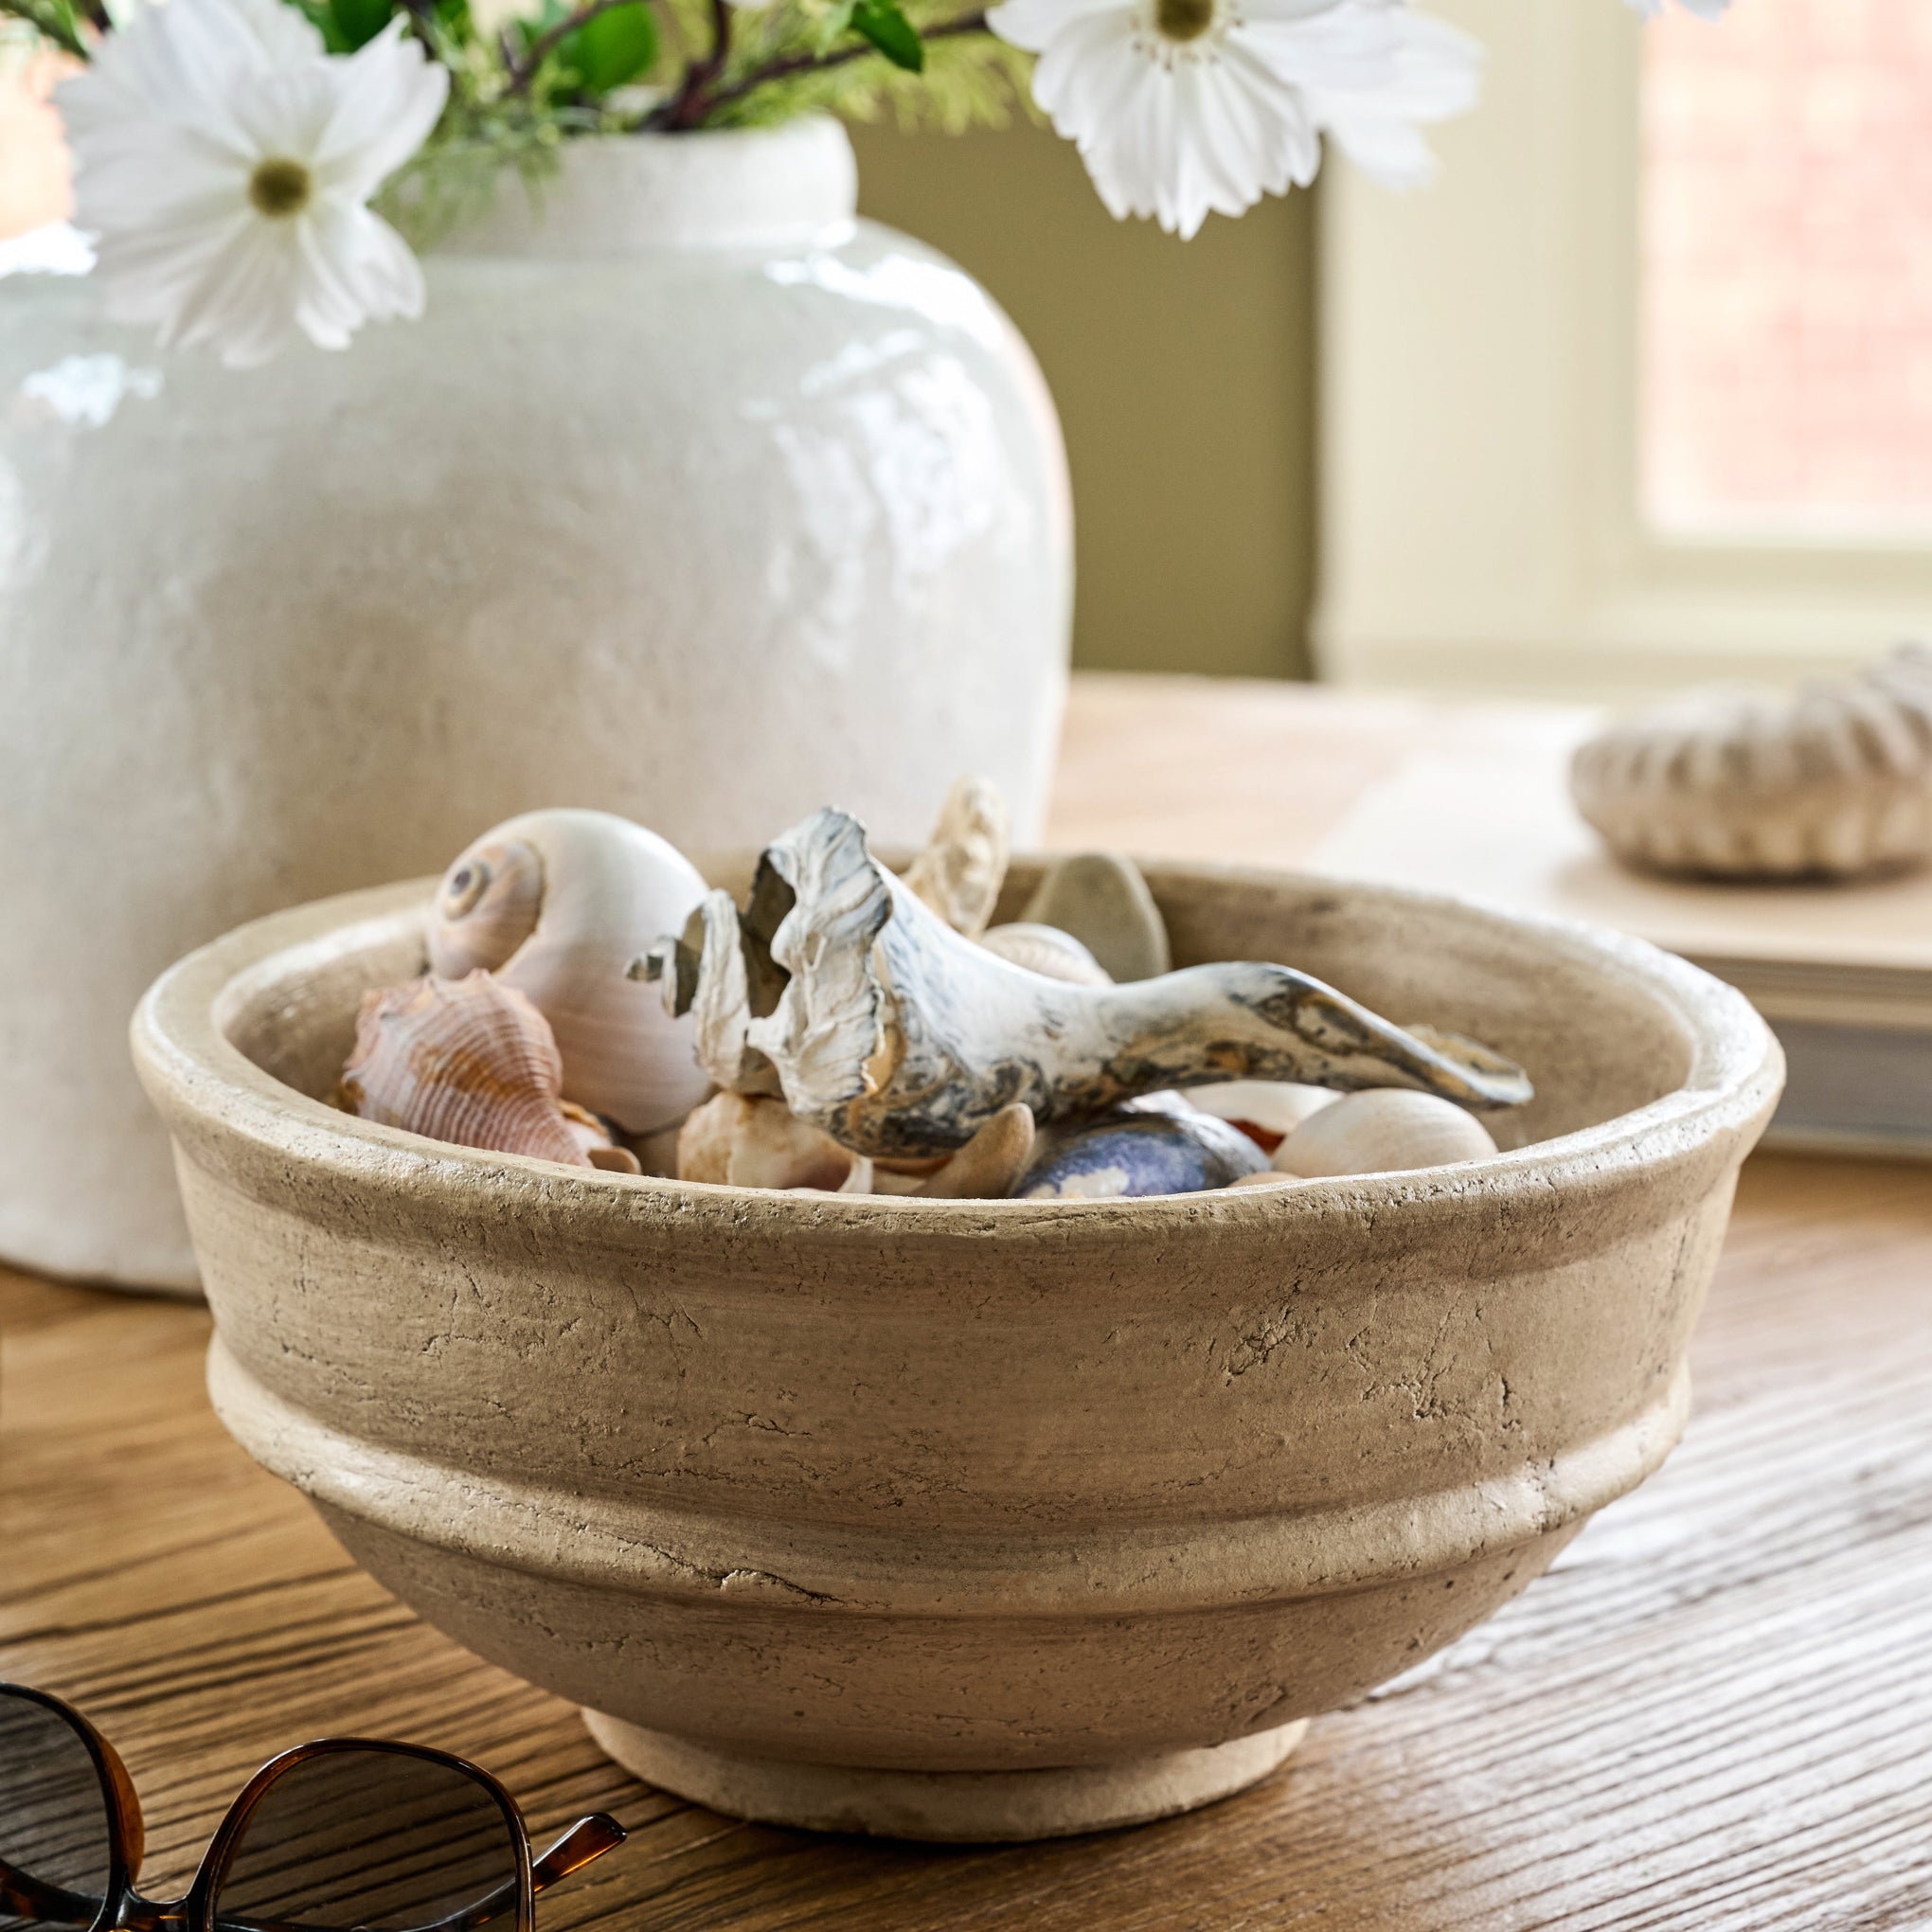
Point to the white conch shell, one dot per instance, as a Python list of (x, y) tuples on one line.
[(1383, 1133), (745, 1142), (1836, 780), (466, 1060), (963, 866), (1047, 950), (557, 904), (898, 1037)]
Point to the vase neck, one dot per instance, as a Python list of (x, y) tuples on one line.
[(628, 194)]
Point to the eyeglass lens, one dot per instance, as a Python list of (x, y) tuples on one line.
[(54, 1842), (376, 1839)]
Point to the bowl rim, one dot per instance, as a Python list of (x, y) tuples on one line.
[(199, 1079)]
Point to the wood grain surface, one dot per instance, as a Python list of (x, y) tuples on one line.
[(1716, 1711)]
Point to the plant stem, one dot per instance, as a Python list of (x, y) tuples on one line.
[(693, 98), (691, 105), (523, 72)]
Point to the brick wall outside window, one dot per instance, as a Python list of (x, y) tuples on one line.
[(1787, 268)]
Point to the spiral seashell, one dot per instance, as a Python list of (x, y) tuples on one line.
[(1386, 1132), (1733, 784), (1047, 950), (467, 1061), (963, 866), (557, 904), (898, 1037)]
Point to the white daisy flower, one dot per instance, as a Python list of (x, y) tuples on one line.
[(1436, 74), (223, 161), (1183, 108)]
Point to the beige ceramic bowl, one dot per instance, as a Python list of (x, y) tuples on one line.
[(953, 1519)]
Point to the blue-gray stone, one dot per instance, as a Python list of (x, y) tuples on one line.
[(1136, 1152)]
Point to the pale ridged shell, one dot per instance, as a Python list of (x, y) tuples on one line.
[(1835, 781), (605, 890), (1047, 950), (466, 1060), (961, 870), (1386, 1131)]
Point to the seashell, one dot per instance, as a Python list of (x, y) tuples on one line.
[(599, 1146), (1047, 950), (467, 1061), (899, 1038), (1736, 784), (1267, 1179), (747, 1141), (1383, 1133), (1133, 1153), (1267, 1111), (961, 870), (987, 1167), (557, 904), (1104, 901)]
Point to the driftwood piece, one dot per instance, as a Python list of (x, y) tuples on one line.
[(899, 1038)]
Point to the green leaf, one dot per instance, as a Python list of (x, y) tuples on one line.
[(358, 21), (887, 29), (612, 50)]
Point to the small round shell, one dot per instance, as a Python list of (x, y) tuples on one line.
[(464, 1061), (603, 890), (742, 1140), (1739, 783), (1385, 1131), (1048, 951)]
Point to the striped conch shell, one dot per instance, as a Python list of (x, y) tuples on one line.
[(1736, 784), (473, 1062), (898, 1036), (557, 904)]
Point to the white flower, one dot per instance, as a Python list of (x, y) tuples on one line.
[(1436, 73), (223, 161), (1183, 108)]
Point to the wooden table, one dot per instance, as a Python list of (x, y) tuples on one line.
[(1715, 1711)]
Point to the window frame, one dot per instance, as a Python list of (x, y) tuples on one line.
[(1481, 343)]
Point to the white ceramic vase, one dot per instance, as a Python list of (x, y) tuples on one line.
[(692, 497)]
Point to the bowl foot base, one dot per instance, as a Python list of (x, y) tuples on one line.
[(951, 1807)]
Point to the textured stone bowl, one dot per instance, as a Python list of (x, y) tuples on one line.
[(953, 1519)]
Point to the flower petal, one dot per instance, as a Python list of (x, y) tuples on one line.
[(168, 130), (389, 99)]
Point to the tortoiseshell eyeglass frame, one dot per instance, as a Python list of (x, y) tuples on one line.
[(123, 1909)]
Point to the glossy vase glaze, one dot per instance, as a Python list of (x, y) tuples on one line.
[(691, 497)]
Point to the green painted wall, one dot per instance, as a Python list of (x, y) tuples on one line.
[(1185, 376)]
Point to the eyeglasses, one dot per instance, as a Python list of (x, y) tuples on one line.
[(348, 1835)]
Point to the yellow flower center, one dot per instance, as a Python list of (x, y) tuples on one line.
[(280, 188), (1183, 20)]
